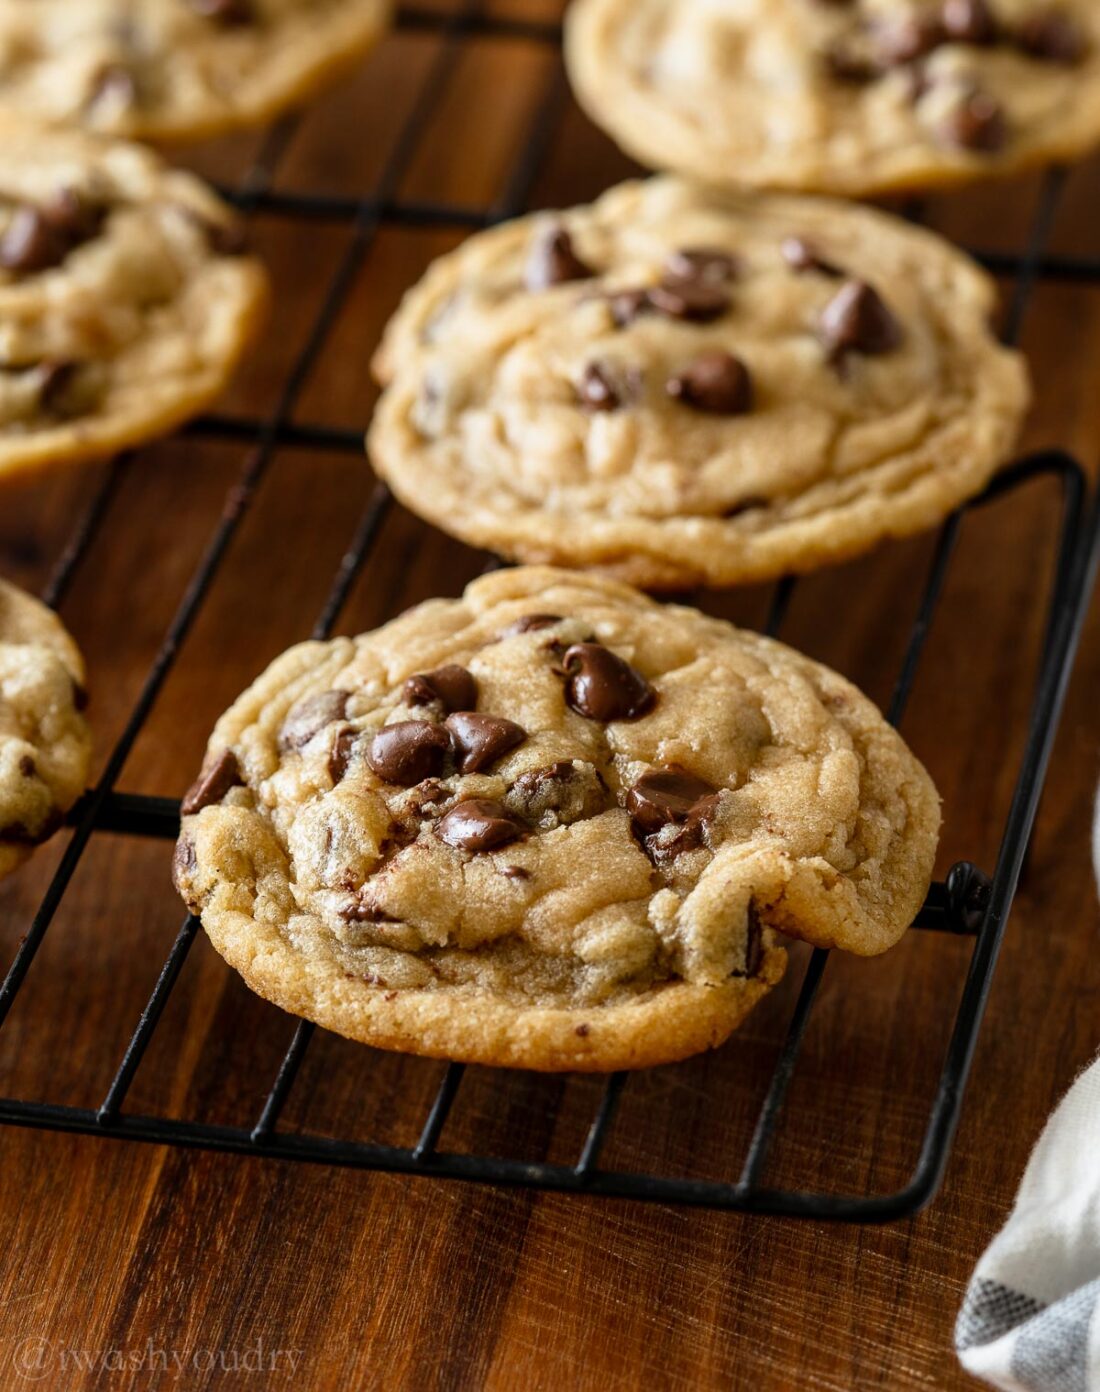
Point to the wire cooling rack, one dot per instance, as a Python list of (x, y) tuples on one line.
[(967, 903)]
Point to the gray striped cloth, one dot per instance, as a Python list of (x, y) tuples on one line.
[(1031, 1318)]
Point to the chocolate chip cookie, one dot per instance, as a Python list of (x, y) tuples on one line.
[(683, 386), (841, 96), (552, 824), (45, 745), (125, 299), (174, 69)]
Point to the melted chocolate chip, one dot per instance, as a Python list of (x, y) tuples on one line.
[(975, 121), (185, 861), (627, 305), (554, 262), (754, 944), (340, 754), (665, 795), (707, 264), (309, 717), (601, 389), (452, 686), (480, 740), (582, 1031), (715, 381), (29, 242), (968, 21), (530, 623), (27, 766), (602, 686), (73, 215), (408, 751), (478, 824), (857, 320), (802, 255), (1052, 36), (694, 300), (212, 783), (224, 11)]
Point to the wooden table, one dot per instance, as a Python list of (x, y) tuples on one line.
[(190, 1265)]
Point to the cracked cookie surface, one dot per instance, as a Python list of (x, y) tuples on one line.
[(125, 301), (840, 96), (681, 386), (45, 744), (552, 824), (175, 69)]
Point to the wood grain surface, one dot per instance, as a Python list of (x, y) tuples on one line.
[(128, 1265)]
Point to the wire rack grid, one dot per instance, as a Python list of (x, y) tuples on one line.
[(967, 903)]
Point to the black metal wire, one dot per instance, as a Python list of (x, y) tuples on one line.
[(966, 903)]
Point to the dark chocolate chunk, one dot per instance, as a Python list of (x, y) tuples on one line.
[(309, 717), (339, 756), (452, 686), (715, 381), (708, 264), (665, 795), (478, 824), (224, 11), (801, 255), (529, 623), (694, 300), (976, 121), (602, 686), (856, 320), (480, 740), (553, 261), (1051, 35), (212, 783), (968, 21), (626, 305), (601, 389), (408, 751)]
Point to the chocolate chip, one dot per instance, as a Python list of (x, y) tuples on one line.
[(664, 795), (857, 320), (478, 824), (1053, 36), (553, 261), (707, 264), (602, 389), (627, 305), (27, 766), (754, 944), (452, 686), (846, 64), (582, 1031), (968, 21), (408, 751), (715, 381), (185, 861), (309, 716), (73, 215), (529, 623), (515, 872), (340, 754), (901, 39), (29, 242), (224, 11), (802, 255), (975, 121), (694, 300), (601, 686), (212, 783), (480, 740)]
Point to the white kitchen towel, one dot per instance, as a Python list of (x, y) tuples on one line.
[(1031, 1318)]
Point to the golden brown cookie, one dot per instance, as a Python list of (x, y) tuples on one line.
[(175, 69), (125, 299), (45, 744), (552, 824), (841, 96), (682, 386)]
